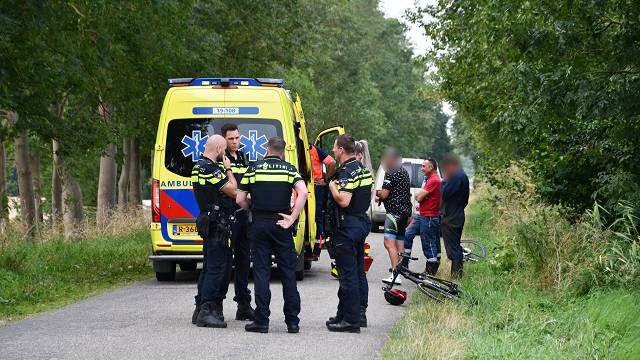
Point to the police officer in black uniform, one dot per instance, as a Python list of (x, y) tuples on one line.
[(210, 182), (350, 194), (239, 240), (270, 183)]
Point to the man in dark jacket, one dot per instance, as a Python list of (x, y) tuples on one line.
[(455, 197)]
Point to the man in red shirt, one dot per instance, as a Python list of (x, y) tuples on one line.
[(427, 223)]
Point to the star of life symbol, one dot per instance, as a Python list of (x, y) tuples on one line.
[(194, 145), (253, 145)]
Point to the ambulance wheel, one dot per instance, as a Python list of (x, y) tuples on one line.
[(300, 275), (166, 276), (307, 264), (300, 268), (189, 266)]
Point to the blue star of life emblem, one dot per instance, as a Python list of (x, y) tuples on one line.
[(253, 145), (194, 145)]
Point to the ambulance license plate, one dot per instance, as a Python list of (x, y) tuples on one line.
[(185, 229)]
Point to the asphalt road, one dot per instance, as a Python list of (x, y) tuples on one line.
[(151, 320)]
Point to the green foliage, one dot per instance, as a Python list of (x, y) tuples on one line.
[(350, 65), (505, 316), (38, 276), (554, 83)]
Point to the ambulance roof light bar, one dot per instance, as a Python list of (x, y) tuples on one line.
[(226, 82)]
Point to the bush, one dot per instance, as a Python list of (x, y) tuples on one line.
[(600, 248)]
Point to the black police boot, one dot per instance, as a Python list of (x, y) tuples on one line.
[(363, 316), (456, 269), (210, 317), (344, 326), (432, 268), (245, 311), (333, 320), (219, 311), (257, 328), (293, 328), (194, 317)]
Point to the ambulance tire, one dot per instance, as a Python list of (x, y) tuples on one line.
[(300, 268), (189, 266), (165, 270), (307, 264), (166, 276)]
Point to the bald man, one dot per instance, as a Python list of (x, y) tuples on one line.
[(210, 182)]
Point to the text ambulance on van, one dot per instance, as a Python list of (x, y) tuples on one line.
[(194, 109)]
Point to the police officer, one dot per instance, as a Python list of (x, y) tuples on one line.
[(239, 240), (351, 193), (210, 182), (270, 182)]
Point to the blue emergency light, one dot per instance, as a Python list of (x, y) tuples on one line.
[(225, 82)]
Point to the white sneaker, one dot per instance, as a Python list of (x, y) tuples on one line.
[(390, 278)]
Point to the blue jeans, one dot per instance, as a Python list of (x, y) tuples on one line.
[(348, 242), (429, 229)]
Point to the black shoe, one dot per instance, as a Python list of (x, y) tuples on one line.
[(344, 326), (293, 328), (210, 316), (432, 268), (456, 269), (333, 320), (257, 328), (245, 311), (363, 316), (194, 317)]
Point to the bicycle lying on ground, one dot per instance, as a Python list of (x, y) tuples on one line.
[(435, 288), (473, 251)]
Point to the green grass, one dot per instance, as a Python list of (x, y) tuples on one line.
[(38, 277), (503, 316)]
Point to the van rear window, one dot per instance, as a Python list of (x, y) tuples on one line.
[(186, 138), (415, 174)]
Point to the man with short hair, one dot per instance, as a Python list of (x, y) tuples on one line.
[(455, 197), (239, 240), (350, 198), (427, 222), (210, 183), (396, 196), (270, 182)]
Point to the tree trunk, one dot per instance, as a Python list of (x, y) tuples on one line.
[(123, 182), (4, 203), (106, 186), (25, 183), (72, 206), (37, 193), (135, 189), (56, 187)]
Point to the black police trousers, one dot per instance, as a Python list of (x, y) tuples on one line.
[(213, 282), (348, 242), (241, 257), (268, 237)]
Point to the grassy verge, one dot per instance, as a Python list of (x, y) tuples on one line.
[(505, 315), (46, 275)]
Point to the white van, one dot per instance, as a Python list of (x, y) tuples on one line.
[(416, 177)]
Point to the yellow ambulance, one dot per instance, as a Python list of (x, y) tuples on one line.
[(194, 109)]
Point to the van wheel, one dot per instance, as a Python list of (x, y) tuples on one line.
[(300, 275), (307, 264), (166, 276)]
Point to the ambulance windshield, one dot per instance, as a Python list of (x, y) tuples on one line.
[(186, 138)]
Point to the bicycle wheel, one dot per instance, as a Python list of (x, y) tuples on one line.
[(434, 292), (473, 251)]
